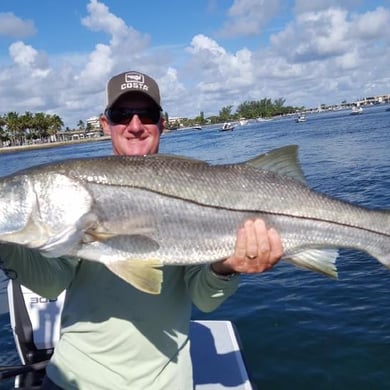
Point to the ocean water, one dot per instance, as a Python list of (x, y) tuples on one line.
[(299, 330)]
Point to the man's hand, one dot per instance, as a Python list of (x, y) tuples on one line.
[(257, 249)]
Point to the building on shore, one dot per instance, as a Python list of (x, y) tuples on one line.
[(93, 123)]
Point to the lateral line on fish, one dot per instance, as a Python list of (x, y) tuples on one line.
[(242, 210), (348, 225)]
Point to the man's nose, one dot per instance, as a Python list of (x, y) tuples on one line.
[(135, 122)]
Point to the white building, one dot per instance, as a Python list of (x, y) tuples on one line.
[(93, 123)]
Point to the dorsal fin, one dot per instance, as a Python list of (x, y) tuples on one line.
[(283, 161)]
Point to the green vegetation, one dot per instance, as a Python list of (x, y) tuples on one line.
[(263, 108), (18, 129)]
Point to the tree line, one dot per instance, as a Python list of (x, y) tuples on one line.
[(28, 128), (250, 109), (20, 129)]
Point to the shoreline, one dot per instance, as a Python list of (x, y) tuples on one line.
[(13, 149)]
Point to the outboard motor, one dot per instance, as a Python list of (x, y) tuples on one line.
[(35, 323)]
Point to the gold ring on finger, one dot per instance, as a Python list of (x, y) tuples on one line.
[(251, 257)]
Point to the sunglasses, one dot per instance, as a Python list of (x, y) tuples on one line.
[(148, 116)]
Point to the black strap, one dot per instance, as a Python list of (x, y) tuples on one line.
[(12, 371)]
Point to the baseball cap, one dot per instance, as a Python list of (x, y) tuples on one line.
[(132, 81)]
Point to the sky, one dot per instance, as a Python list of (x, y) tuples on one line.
[(56, 56)]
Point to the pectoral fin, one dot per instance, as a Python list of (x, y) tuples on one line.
[(130, 227), (142, 274)]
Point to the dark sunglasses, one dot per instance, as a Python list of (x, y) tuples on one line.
[(148, 116)]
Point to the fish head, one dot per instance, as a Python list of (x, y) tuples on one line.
[(47, 211)]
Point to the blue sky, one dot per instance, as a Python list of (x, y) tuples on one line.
[(56, 56)]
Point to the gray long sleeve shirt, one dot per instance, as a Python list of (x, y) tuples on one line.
[(112, 335)]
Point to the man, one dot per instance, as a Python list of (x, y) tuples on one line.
[(114, 336)]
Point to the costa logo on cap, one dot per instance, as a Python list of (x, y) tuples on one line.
[(130, 77), (132, 81)]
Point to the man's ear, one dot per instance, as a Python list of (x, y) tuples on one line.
[(162, 123), (105, 124)]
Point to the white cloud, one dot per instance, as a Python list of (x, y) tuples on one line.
[(371, 25), (321, 56), (99, 66), (26, 56), (172, 92), (314, 36), (124, 39), (218, 77), (303, 6), (124, 43), (249, 17), (24, 83), (348, 61), (324, 54), (73, 90), (12, 26), (339, 49), (216, 68)]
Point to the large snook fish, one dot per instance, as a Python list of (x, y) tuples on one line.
[(135, 214)]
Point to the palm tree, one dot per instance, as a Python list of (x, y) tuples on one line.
[(13, 126), (26, 126), (41, 125), (55, 125), (3, 124), (81, 125)]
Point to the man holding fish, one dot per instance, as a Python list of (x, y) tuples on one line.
[(112, 334)]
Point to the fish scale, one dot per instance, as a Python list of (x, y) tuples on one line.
[(240, 187)]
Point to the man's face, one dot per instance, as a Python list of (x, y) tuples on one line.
[(134, 124)]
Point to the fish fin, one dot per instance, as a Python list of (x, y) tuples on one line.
[(97, 235), (142, 274), (283, 161), (319, 260), (131, 227)]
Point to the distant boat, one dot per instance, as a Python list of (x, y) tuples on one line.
[(300, 118), (197, 127), (356, 110), (227, 126), (243, 121)]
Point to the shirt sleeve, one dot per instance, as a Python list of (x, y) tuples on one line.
[(206, 289), (45, 276)]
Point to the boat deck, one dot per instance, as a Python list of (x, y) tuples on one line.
[(216, 357)]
